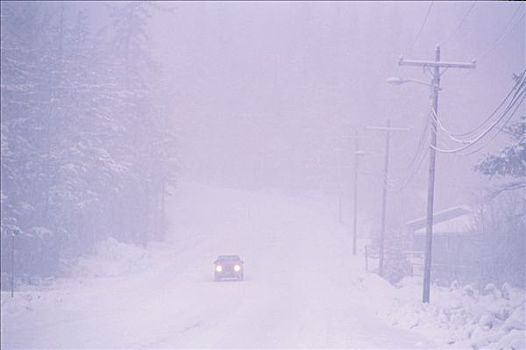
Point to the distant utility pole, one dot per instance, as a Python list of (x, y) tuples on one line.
[(13, 234), (388, 130), (357, 154), (340, 220), (163, 210), (340, 178), (435, 86)]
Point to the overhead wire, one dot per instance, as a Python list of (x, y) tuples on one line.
[(421, 142), (420, 153), (515, 103), (510, 25), (405, 181), (417, 160), (512, 104), (495, 134), (402, 183), (517, 87), (417, 36), (420, 147), (493, 137), (488, 51), (415, 40), (521, 82), (459, 25), (518, 96), (485, 132)]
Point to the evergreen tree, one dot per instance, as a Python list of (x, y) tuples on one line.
[(511, 161), (86, 151)]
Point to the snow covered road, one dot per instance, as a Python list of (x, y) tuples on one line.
[(302, 289)]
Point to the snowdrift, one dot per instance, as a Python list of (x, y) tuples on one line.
[(461, 315)]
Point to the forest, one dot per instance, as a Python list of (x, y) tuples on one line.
[(86, 149)]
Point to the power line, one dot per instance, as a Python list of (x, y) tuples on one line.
[(502, 35), (417, 36), (459, 24), (421, 27), (421, 143), (417, 159), (436, 64), (521, 82), (509, 26), (413, 169), (517, 86), (486, 131), (399, 183), (512, 104), (494, 135), (405, 182), (520, 91)]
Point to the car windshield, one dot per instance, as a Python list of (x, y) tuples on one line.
[(229, 257)]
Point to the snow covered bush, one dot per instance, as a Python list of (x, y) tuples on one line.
[(112, 258), (493, 318), (397, 266)]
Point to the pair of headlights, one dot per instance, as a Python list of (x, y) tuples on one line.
[(219, 268)]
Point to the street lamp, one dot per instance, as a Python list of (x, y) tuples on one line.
[(434, 67), (435, 88), (400, 81)]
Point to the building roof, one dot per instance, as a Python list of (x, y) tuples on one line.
[(448, 221)]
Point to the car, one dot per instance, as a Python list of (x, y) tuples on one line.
[(228, 267)]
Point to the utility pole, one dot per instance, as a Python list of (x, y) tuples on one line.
[(163, 209), (435, 87), (13, 233), (340, 178), (384, 199), (357, 154), (340, 208), (388, 130)]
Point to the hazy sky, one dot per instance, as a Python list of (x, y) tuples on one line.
[(269, 93)]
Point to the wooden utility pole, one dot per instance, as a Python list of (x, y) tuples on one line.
[(384, 199), (435, 86), (357, 154), (388, 130), (13, 234)]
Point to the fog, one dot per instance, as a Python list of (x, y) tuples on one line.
[(269, 94), (153, 150)]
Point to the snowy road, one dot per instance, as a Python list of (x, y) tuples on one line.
[(302, 288)]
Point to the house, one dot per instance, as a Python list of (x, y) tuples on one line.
[(454, 246)]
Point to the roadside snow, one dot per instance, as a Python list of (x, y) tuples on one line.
[(112, 258), (302, 289), (463, 317)]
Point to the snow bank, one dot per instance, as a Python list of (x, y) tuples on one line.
[(462, 316), (112, 258)]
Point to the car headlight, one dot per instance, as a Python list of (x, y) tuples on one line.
[(237, 268), (219, 268)]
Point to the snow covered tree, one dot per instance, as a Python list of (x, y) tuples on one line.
[(86, 151), (503, 216), (147, 147), (25, 103), (511, 161)]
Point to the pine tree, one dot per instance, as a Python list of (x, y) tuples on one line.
[(511, 161), (85, 142)]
